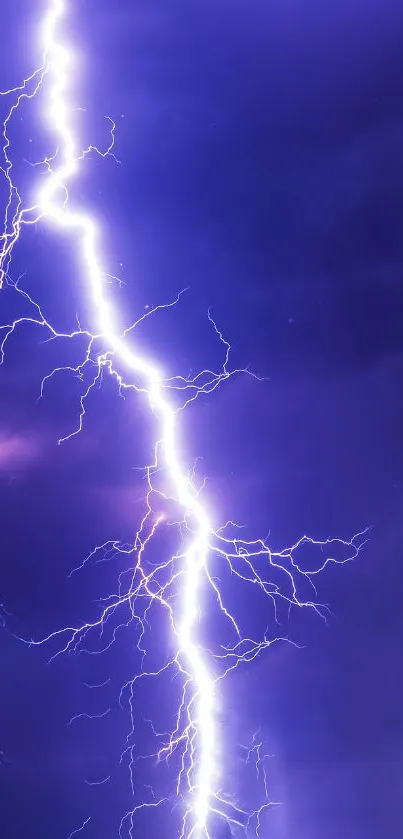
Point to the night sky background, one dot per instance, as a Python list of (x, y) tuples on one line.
[(261, 166)]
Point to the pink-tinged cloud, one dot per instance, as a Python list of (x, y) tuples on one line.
[(16, 450)]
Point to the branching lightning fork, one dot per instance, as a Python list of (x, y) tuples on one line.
[(178, 587)]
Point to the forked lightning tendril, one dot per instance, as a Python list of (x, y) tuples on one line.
[(182, 590)]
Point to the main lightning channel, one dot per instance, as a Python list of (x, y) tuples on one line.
[(57, 64)]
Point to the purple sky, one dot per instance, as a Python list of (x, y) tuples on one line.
[(261, 166)]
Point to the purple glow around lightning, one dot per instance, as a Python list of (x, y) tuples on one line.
[(175, 590)]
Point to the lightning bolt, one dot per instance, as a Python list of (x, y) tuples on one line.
[(197, 578)]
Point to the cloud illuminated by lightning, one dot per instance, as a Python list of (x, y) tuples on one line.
[(182, 590)]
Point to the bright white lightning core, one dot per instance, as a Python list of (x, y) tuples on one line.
[(176, 587)]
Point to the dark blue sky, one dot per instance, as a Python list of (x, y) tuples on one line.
[(261, 166)]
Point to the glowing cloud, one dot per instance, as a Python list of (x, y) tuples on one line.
[(16, 450)]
